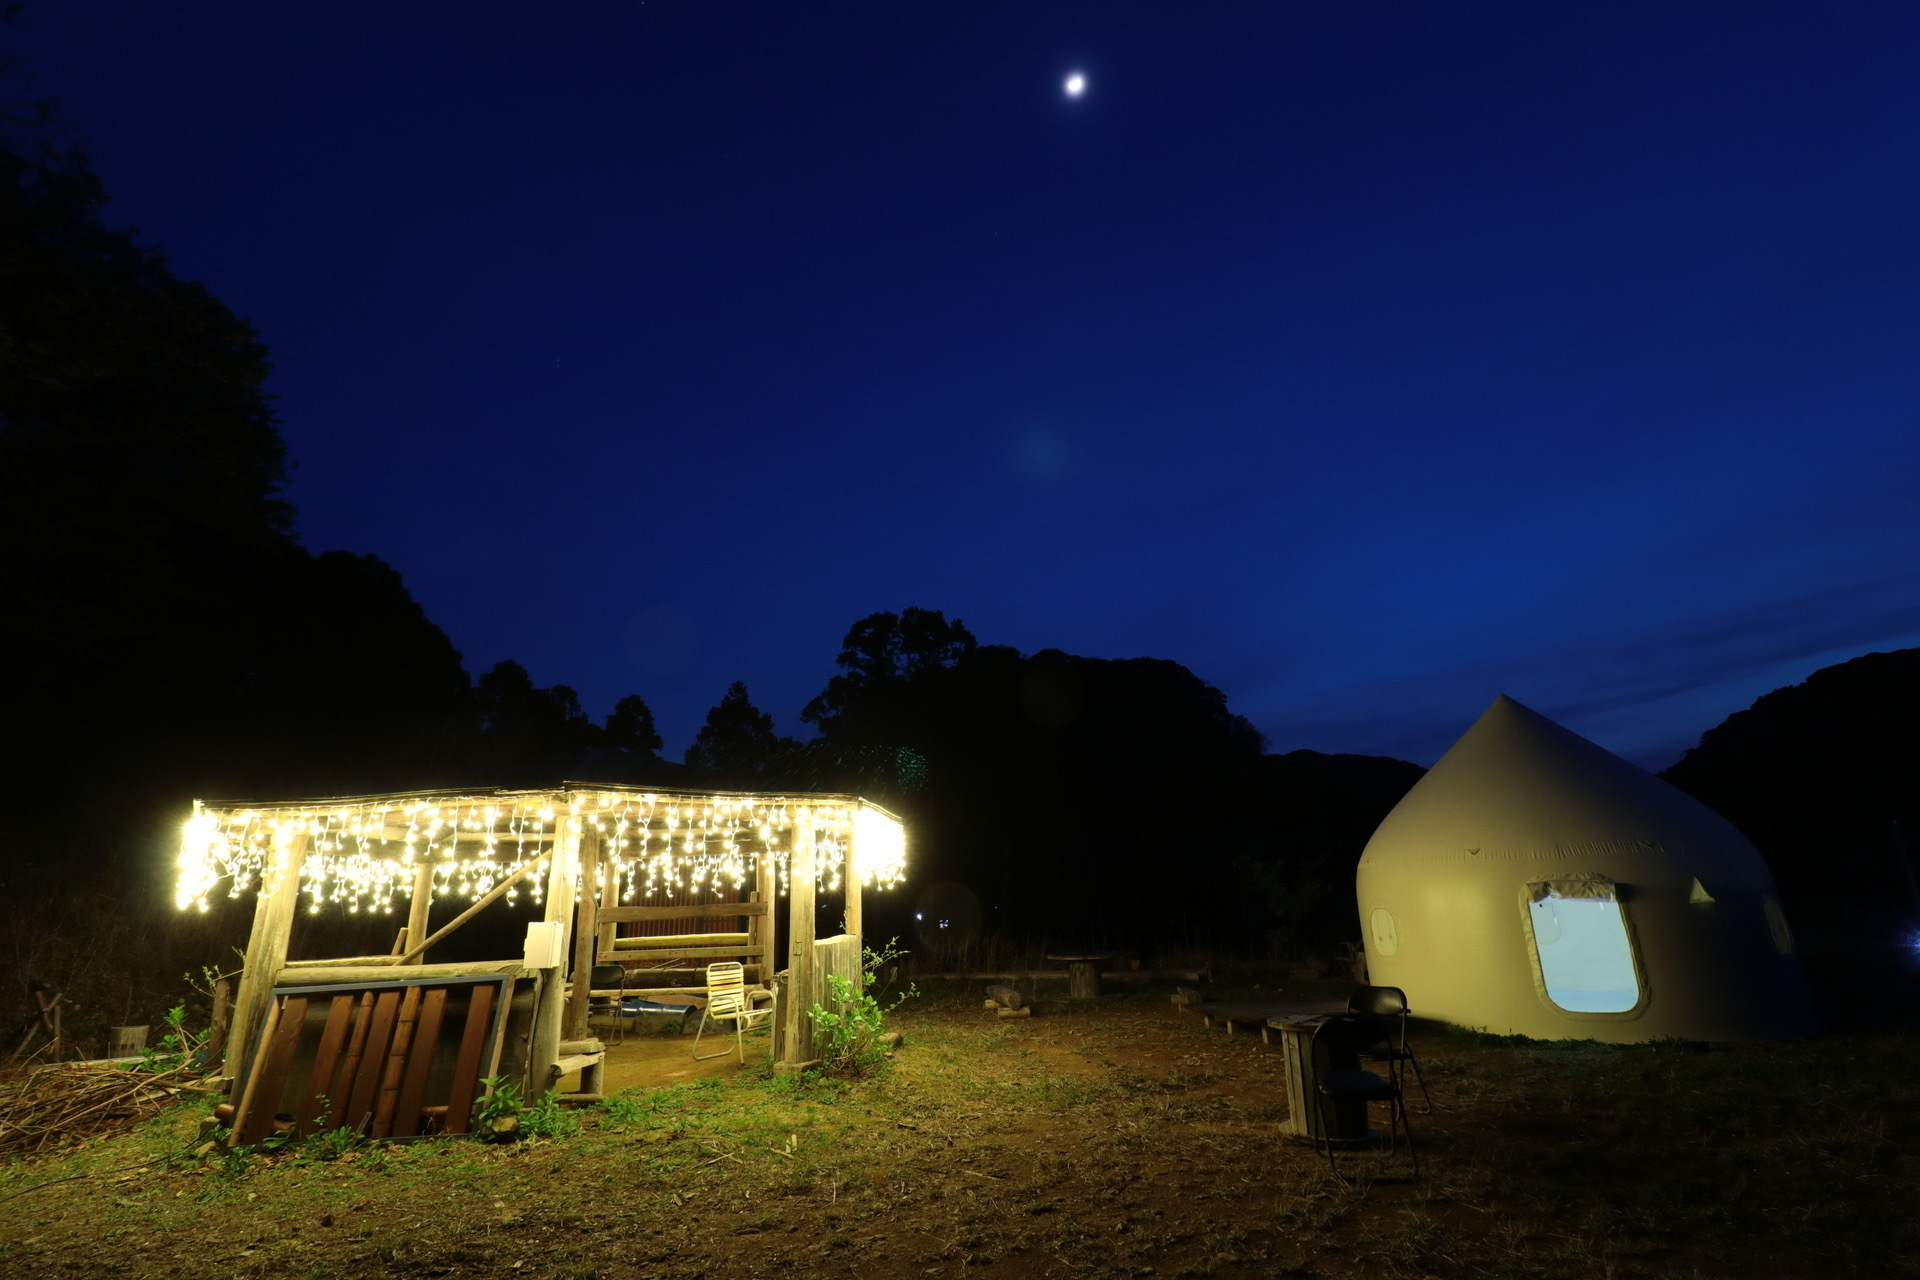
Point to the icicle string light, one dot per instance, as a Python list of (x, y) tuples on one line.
[(364, 855)]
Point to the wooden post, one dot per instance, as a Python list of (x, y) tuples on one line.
[(609, 863), (851, 875), (420, 905), (761, 928), (800, 994), (586, 935), (549, 1006), (266, 944)]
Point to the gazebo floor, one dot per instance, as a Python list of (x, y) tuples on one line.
[(653, 1060)]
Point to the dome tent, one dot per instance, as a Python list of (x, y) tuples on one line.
[(1533, 883)]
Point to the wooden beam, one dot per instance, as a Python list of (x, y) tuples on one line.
[(266, 946), (586, 934), (420, 905), (715, 910), (681, 940), (797, 1028), (549, 1001), (629, 956), (850, 878)]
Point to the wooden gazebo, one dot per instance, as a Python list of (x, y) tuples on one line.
[(399, 1046)]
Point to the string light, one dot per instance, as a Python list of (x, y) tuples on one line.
[(366, 856)]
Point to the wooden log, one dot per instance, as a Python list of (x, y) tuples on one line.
[(340, 962), (413, 1093), (713, 910), (347, 975), (1015, 1013), (683, 940), (249, 1092)]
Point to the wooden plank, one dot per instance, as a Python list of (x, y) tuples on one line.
[(396, 1068), (681, 940), (342, 1082), (712, 910), (680, 953), (373, 1060), (466, 1070), (413, 1094), (333, 1037)]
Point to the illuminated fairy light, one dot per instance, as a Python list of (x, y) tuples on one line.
[(366, 856)]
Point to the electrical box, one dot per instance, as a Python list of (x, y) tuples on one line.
[(546, 944)]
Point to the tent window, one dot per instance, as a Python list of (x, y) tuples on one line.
[(1585, 955)]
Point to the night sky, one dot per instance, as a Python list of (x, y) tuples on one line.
[(1368, 359)]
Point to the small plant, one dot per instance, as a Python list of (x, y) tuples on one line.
[(546, 1118), (850, 1031), (327, 1145), (177, 1047), (498, 1117)]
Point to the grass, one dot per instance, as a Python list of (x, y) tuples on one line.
[(1117, 1139)]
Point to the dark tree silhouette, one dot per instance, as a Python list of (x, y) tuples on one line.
[(1821, 776), (737, 744), (629, 729), (529, 736), (882, 653)]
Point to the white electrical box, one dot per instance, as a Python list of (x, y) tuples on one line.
[(546, 940)]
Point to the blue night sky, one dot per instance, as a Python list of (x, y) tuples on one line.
[(1369, 359)]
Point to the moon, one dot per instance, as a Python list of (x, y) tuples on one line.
[(1076, 85)]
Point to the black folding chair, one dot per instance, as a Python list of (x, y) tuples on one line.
[(1336, 1046), (1387, 1006)]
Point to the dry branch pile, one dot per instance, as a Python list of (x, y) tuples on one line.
[(51, 1107)]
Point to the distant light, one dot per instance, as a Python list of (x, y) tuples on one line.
[(1076, 85), (918, 916)]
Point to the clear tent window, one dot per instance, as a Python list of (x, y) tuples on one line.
[(1585, 952)]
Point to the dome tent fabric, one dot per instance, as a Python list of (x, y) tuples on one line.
[(1533, 883)]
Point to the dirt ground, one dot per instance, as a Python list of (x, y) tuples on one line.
[(1108, 1138)]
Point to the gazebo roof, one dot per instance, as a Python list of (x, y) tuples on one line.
[(368, 852)]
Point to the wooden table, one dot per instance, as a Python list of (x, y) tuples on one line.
[(1345, 1121), (1083, 972)]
